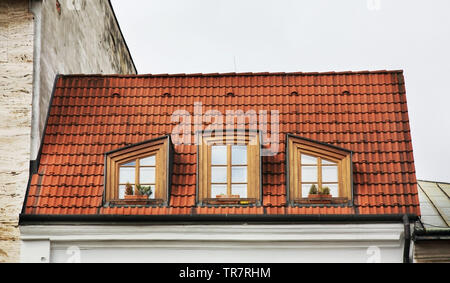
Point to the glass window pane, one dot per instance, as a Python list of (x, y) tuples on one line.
[(329, 173), (127, 175), (327, 162), (239, 174), (240, 190), (149, 161), (132, 163), (309, 174), (152, 186), (147, 175), (334, 189), (218, 174), (306, 188), (307, 159), (217, 190), (219, 155), (239, 155), (122, 192)]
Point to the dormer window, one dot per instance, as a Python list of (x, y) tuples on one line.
[(229, 170), (139, 174), (318, 173)]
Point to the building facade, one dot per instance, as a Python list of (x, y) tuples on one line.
[(38, 40), (266, 167)]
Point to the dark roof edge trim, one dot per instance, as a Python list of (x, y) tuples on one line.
[(319, 142), (226, 218), (140, 143)]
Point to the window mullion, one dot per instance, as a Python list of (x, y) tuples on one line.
[(229, 169), (319, 173), (137, 173)]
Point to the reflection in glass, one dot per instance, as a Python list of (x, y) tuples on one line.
[(240, 190), (122, 191), (149, 161), (305, 189), (132, 163), (334, 189), (218, 174), (219, 155), (327, 162), (217, 190), (329, 174), (239, 174), (127, 175), (309, 174), (239, 155), (307, 159), (147, 175)]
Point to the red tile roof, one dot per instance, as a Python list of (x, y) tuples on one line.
[(365, 112)]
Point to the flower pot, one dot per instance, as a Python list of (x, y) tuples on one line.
[(321, 199), (135, 197), (227, 197)]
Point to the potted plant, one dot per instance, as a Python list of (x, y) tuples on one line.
[(145, 191), (320, 196), (140, 192), (128, 190), (129, 194)]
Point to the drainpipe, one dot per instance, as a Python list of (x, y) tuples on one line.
[(36, 10), (407, 246)]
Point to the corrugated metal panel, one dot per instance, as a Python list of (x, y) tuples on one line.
[(434, 204)]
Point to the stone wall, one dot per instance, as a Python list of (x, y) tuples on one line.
[(79, 37), (16, 75), (66, 37)]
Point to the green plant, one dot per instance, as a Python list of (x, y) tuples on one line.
[(313, 190), (145, 190), (325, 191), (128, 189)]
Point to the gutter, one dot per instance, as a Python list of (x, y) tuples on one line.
[(27, 219), (407, 246)]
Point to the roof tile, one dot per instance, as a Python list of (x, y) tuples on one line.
[(365, 112)]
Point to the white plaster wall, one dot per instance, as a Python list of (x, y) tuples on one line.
[(214, 244)]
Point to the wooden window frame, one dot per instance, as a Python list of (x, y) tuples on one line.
[(161, 148), (254, 190), (137, 171), (297, 146)]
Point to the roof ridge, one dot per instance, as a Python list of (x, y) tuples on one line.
[(240, 74)]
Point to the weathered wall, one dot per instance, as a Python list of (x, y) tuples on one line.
[(16, 73), (81, 36), (76, 36)]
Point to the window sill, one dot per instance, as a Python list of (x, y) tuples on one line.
[(338, 200), (230, 201), (137, 202)]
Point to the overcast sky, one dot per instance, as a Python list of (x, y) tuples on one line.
[(209, 36)]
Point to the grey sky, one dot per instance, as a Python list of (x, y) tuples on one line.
[(208, 36)]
